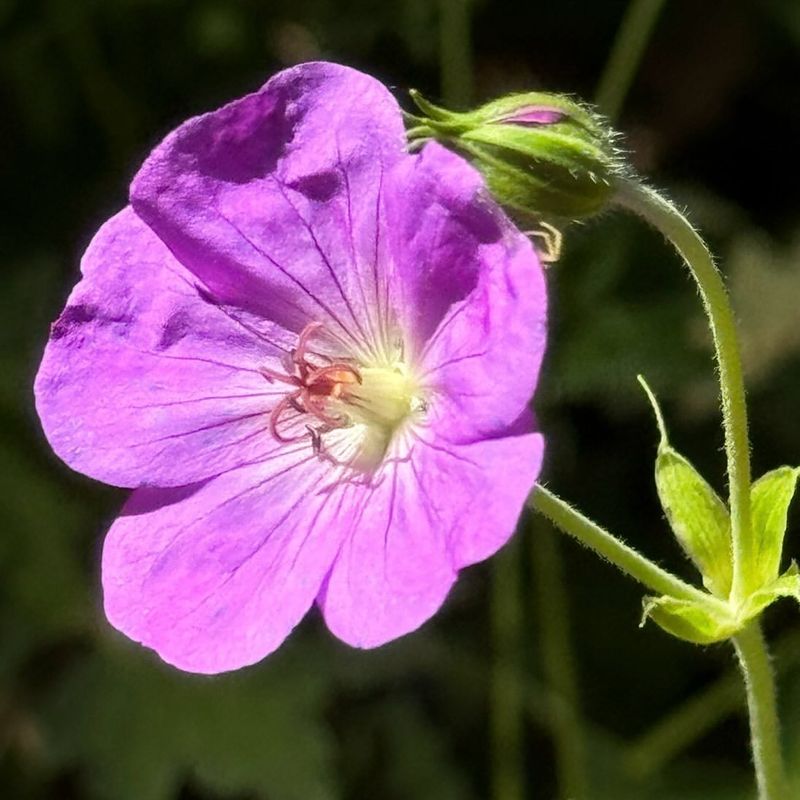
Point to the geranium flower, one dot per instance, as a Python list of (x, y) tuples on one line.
[(311, 355)]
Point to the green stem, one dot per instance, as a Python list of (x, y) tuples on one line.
[(662, 215), (629, 46), (507, 700), (552, 606), (761, 705), (588, 533), (455, 52)]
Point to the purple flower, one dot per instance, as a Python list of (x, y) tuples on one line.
[(311, 355)]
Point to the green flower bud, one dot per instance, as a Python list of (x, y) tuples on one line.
[(542, 155)]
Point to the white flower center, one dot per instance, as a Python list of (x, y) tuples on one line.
[(352, 412), (374, 412)]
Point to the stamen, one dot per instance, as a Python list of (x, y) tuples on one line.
[(287, 402), (315, 385), (368, 402), (272, 375), (340, 373)]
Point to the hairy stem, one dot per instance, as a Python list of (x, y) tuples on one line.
[(552, 607), (662, 215), (507, 700), (762, 707), (605, 544), (629, 46)]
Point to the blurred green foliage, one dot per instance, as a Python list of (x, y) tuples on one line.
[(87, 87)]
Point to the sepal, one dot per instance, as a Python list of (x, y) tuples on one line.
[(770, 497), (693, 621), (707, 621), (698, 517), (542, 155), (787, 585)]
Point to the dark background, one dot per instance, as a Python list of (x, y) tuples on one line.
[(463, 708)]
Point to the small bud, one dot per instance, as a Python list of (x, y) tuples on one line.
[(543, 155)]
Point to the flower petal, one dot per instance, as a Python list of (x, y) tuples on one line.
[(445, 507), (494, 479), (146, 380), (274, 200), (473, 293), (214, 577), (438, 216)]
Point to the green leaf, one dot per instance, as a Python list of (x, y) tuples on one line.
[(697, 516), (770, 498), (692, 621)]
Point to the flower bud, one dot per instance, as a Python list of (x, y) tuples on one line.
[(541, 154)]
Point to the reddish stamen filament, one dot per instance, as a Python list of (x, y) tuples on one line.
[(314, 386)]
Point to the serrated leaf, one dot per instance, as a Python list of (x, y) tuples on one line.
[(698, 517), (692, 621), (770, 498)]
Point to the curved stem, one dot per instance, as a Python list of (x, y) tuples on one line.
[(762, 707), (658, 580), (662, 215), (629, 46)]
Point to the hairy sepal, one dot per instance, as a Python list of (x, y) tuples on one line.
[(698, 517), (695, 621), (708, 621), (542, 155), (787, 585), (770, 497)]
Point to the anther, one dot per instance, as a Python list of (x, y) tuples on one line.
[(315, 386)]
